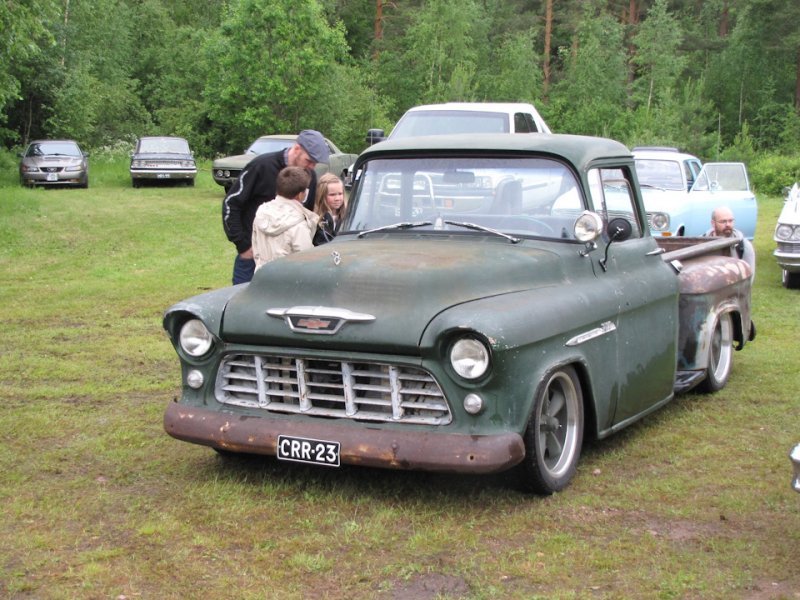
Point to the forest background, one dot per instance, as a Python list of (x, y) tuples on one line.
[(718, 78)]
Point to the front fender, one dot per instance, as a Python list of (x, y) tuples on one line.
[(528, 334), (208, 307)]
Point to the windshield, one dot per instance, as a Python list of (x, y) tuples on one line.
[(264, 145), (663, 174), (516, 196), (441, 122), (54, 148), (164, 146)]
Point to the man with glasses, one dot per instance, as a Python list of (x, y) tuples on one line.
[(722, 225), (257, 184)]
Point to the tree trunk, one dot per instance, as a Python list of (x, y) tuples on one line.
[(378, 26), (548, 34), (723, 20), (797, 83)]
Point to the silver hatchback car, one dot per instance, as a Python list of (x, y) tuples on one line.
[(54, 162)]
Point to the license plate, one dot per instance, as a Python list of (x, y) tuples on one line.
[(305, 450), (163, 176), (52, 177)]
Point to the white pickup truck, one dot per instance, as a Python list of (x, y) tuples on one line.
[(465, 117), (461, 117)]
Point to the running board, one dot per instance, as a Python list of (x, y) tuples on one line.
[(686, 380)]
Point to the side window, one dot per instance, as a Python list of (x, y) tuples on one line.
[(523, 125), (613, 197), (693, 170)]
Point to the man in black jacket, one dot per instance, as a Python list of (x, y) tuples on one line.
[(256, 185)]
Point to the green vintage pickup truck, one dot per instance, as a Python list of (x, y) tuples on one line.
[(490, 302)]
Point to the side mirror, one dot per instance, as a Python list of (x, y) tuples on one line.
[(374, 136), (618, 230)]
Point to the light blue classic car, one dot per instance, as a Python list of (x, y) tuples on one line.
[(679, 193)]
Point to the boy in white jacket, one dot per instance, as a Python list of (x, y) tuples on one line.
[(283, 225)]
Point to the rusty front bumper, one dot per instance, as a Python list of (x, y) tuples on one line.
[(371, 447)]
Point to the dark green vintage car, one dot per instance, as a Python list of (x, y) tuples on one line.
[(489, 302)]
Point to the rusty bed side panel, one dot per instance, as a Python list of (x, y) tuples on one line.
[(414, 450), (710, 286)]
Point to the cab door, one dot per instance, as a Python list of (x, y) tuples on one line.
[(645, 293)]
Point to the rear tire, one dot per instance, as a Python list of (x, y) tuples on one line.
[(554, 434), (720, 355)]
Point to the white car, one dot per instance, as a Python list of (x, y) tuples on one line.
[(787, 237), (680, 193), (461, 117)]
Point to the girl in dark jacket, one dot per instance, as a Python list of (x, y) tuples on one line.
[(330, 205)]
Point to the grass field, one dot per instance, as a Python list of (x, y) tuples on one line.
[(98, 502)]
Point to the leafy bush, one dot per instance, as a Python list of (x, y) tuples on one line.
[(9, 162), (770, 173)]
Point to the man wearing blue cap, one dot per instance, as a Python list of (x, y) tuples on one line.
[(257, 184)]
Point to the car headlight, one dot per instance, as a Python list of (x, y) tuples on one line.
[(195, 339), (659, 221), (470, 358), (74, 168), (30, 169), (787, 232)]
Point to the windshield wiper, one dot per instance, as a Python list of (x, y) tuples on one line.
[(651, 186), (405, 225), (510, 238)]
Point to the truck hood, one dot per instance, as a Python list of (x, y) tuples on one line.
[(392, 289)]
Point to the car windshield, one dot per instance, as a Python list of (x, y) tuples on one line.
[(663, 174), (516, 196), (442, 122), (264, 145), (53, 148), (164, 145)]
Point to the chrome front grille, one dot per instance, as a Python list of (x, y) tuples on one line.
[(329, 388), (788, 248)]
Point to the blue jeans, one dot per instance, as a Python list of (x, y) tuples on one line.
[(243, 269)]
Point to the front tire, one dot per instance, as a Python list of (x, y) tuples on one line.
[(720, 355), (554, 434), (790, 280)]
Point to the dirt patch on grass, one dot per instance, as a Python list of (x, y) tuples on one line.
[(428, 587)]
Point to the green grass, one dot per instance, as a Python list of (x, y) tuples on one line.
[(98, 502)]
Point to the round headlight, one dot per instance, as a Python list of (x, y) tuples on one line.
[(783, 232), (470, 358), (588, 227), (659, 221), (194, 338)]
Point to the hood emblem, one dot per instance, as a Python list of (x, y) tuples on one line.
[(318, 319), (337, 258)]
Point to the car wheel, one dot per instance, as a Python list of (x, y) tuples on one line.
[(554, 434), (135, 183), (720, 355), (790, 280)]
